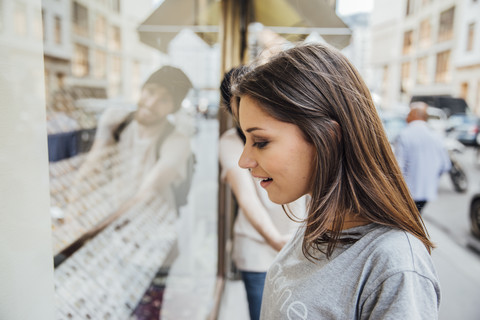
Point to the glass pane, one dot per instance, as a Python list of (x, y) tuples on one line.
[(132, 147)]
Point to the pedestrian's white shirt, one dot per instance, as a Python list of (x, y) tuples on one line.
[(422, 158)]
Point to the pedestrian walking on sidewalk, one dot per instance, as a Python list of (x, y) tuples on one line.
[(363, 251), (421, 155)]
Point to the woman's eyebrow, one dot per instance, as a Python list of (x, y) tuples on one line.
[(249, 130)]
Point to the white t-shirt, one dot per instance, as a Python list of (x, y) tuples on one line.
[(133, 158)]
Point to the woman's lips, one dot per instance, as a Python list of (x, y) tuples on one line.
[(264, 181)]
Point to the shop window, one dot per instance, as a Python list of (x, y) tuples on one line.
[(470, 36), (407, 42), (425, 33), (445, 30), (80, 64), (422, 70), (80, 19), (58, 30), (442, 73)]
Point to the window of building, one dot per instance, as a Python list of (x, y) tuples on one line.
[(100, 68), (20, 19), (58, 30), (115, 38), (464, 90), (116, 5), (115, 78), (409, 9), (425, 33), (100, 30), (470, 36), (422, 70), (80, 19), (406, 77), (80, 64), (385, 81), (60, 80), (442, 74), (445, 30), (407, 42)]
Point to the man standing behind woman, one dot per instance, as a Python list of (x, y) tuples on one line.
[(421, 156), (261, 227)]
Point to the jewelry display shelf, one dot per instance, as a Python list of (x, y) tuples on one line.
[(104, 261), (107, 276)]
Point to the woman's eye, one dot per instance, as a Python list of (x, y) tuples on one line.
[(260, 144)]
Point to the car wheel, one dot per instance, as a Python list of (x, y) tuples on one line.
[(475, 217)]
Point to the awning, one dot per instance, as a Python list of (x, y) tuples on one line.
[(293, 19)]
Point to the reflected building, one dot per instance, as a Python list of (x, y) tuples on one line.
[(91, 47)]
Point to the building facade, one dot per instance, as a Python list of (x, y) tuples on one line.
[(426, 47)]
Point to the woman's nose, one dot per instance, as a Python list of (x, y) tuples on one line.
[(246, 161)]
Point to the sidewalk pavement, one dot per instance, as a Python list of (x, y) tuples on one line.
[(459, 272)]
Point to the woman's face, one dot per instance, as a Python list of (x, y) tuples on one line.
[(276, 153)]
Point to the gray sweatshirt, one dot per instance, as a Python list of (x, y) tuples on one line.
[(385, 274)]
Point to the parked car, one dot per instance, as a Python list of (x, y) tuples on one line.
[(465, 128), (475, 215)]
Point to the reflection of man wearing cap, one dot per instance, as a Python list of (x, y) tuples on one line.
[(151, 153)]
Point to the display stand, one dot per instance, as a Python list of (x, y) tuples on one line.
[(104, 261)]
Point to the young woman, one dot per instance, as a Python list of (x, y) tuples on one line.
[(311, 128), (261, 228)]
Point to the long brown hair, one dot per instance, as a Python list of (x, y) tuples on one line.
[(316, 88)]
